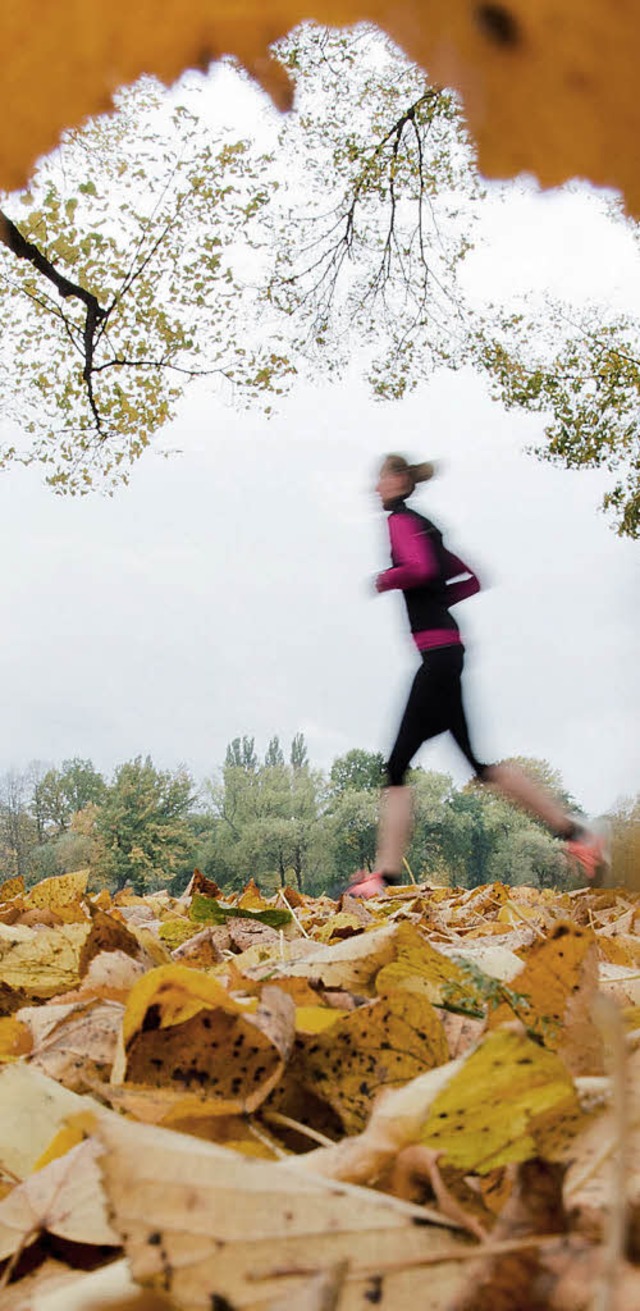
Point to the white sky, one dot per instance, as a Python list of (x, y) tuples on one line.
[(227, 590)]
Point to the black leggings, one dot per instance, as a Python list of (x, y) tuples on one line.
[(434, 706)]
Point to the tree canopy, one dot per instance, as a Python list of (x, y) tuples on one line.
[(150, 252), (274, 819)]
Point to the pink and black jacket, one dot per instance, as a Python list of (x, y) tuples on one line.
[(425, 571)]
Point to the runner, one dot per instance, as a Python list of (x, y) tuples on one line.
[(432, 580)]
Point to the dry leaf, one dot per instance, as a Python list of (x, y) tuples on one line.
[(33, 1109), (64, 1198), (555, 993), (108, 1289), (41, 962), (214, 1230), (11, 888), (79, 1049), (352, 965), (486, 1115), (15, 1039), (381, 1045), (61, 894), (107, 934), (508, 1282), (182, 1030)]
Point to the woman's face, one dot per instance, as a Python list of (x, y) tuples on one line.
[(390, 486)]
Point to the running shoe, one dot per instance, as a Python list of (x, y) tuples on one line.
[(365, 884), (591, 851)]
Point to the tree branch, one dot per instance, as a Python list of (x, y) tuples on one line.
[(12, 238)]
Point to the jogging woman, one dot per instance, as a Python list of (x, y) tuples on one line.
[(433, 580)]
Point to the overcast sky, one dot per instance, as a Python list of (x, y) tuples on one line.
[(227, 590)]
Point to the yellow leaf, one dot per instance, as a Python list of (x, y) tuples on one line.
[(176, 930), (176, 993), (15, 1039), (61, 894), (381, 1045), (486, 1115), (42, 962), (11, 888), (421, 969), (182, 1030), (342, 925), (67, 1137), (555, 991), (315, 1019), (252, 898)]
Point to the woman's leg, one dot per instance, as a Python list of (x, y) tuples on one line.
[(510, 780), (588, 847), (424, 717)]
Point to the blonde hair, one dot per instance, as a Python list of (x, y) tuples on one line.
[(416, 473)]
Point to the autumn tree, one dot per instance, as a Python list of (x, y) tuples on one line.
[(60, 793), (143, 826), (149, 253)]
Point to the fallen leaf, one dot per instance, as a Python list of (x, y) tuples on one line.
[(107, 934), (213, 1229), (203, 949), (508, 1282), (486, 1115), (381, 1045), (80, 1048), (42, 962), (64, 1198), (62, 894), (33, 1109), (15, 1039), (207, 910), (182, 1030), (11, 888)]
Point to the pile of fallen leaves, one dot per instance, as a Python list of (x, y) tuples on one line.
[(431, 1098)]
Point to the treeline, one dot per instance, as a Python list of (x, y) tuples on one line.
[(276, 819)]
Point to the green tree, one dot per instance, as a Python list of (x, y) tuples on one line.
[(351, 826), (265, 816), (274, 754), (299, 755), (432, 793), (60, 793), (143, 826), (358, 771)]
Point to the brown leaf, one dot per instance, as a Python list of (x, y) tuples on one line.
[(107, 934), (212, 1229), (555, 993), (182, 1031), (508, 1282)]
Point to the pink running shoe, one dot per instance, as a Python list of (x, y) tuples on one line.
[(591, 851), (365, 884)]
